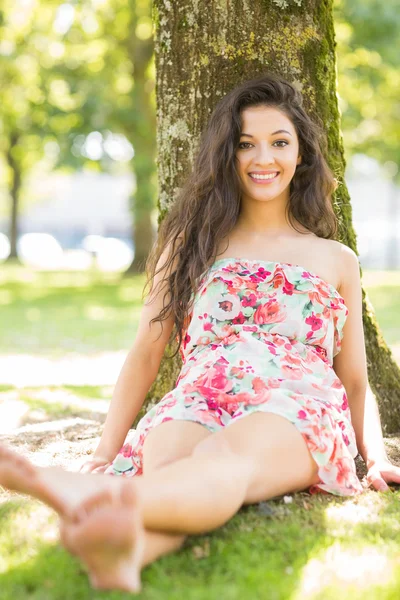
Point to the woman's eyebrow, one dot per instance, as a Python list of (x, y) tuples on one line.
[(274, 133)]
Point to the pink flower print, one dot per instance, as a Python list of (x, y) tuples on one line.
[(228, 307), (237, 372), (250, 328), (344, 470), (212, 405), (316, 296), (262, 392), (207, 326), (126, 451), (260, 275), (186, 340), (288, 288), (230, 339), (293, 359), (249, 300), (203, 340), (302, 414), (337, 384), (320, 351), (215, 378), (306, 275), (291, 372), (280, 280), (314, 321), (345, 403), (266, 313), (240, 319)]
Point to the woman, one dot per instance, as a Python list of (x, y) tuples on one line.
[(266, 306)]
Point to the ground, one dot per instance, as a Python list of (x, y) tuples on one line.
[(62, 344)]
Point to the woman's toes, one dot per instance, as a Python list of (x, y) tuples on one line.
[(98, 500)]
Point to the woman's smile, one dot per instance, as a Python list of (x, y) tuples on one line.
[(260, 178)]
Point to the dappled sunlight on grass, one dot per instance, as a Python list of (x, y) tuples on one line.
[(64, 340), (22, 370), (364, 510), (342, 567)]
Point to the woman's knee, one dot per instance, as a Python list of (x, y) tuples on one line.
[(171, 441), (214, 445)]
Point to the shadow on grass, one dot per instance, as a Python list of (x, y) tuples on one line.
[(270, 550), (247, 558)]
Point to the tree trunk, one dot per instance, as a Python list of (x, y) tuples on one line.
[(14, 195), (144, 143), (204, 49)]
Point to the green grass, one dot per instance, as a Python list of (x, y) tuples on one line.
[(293, 554), (54, 313), (318, 547)]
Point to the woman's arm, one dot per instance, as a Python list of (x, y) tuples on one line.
[(140, 368), (134, 381), (367, 426)]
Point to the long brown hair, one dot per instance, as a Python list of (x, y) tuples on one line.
[(207, 207)]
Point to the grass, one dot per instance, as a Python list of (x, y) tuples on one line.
[(318, 547)]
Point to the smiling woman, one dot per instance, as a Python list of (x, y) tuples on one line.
[(266, 165), (246, 274)]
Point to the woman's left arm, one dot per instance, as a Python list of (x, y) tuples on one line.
[(350, 365), (367, 426)]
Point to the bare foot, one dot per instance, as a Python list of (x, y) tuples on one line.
[(17, 473), (106, 532), (60, 489)]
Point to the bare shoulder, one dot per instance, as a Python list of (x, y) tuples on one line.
[(348, 265)]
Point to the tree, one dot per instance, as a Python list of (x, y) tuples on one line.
[(72, 74), (199, 59), (140, 49), (367, 33)]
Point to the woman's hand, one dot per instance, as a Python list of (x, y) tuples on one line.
[(96, 464), (380, 473)]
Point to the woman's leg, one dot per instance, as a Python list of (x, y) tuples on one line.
[(258, 457), (167, 442)]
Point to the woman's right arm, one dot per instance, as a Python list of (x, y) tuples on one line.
[(137, 375)]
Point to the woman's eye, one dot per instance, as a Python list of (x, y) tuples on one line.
[(245, 145)]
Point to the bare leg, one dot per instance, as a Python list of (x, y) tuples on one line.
[(198, 480), (138, 546), (158, 544), (192, 495), (114, 545)]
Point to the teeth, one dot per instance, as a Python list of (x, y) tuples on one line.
[(270, 176)]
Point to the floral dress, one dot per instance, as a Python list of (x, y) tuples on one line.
[(261, 336)]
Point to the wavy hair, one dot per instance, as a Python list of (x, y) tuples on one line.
[(207, 207)]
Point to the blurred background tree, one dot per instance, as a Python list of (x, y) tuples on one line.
[(77, 92), (369, 78)]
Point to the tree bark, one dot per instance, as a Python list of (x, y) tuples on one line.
[(206, 47), (14, 195), (144, 143)]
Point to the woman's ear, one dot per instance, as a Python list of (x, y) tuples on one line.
[(298, 160)]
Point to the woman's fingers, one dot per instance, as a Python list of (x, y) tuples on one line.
[(94, 466), (100, 469)]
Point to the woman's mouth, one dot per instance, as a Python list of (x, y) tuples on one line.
[(262, 178)]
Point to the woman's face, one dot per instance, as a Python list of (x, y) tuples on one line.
[(267, 155)]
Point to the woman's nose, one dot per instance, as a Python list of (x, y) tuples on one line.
[(265, 155)]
